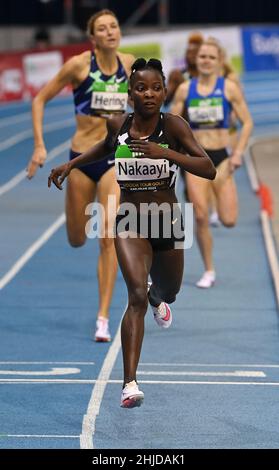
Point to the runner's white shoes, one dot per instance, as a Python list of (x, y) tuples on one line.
[(102, 334), (131, 396), (214, 220), (207, 280), (162, 315)]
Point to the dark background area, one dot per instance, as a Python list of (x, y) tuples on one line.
[(34, 12)]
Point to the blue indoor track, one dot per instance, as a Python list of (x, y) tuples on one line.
[(210, 381)]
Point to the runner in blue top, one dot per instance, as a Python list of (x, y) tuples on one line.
[(148, 228), (100, 86), (208, 101)]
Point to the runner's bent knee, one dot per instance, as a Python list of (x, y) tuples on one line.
[(106, 243), (76, 240), (138, 299), (228, 222), (201, 217)]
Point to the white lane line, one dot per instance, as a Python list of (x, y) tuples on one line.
[(7, 121), (89, 420), (22, 174), (89, 424), (39, 436), (173, 364), (13, 182), (271, 251), (264, 119), (237, 373), (15, 139), (26, 103), (31, 251), (264, 108), (14, 104), (53, 371), (46, 363), (196, 382), (48, 381), (261, 100)]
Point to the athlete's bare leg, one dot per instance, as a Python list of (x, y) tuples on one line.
[(135, 259), (226, 194), (81, 191), (198, 190), (107, 264), (166, 274)]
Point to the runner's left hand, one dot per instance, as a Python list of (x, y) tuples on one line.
[(58, 175), (147, 149), (235, 161)]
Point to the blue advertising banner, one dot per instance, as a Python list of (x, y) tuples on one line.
[(261, 48)]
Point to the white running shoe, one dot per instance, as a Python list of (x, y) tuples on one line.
[(131, 396), (162, 315), (102, 334), (214, 220), (207, 280)]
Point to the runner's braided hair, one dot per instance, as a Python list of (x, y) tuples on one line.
[(152, 64)]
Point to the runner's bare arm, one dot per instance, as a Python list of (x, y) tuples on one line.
[(127, 61), (66, 76), (174, 80), (98, 152), (240, 107), (195, 160), (179, 99)]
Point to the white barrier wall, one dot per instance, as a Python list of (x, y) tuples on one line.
[(170, 46), (248, 49)]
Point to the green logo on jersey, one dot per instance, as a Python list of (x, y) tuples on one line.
[(123, 151)]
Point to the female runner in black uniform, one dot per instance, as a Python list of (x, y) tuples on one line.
[(148, 153)]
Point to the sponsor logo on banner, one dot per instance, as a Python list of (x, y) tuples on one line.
[(22, 74), (11, 81), (170, 47), (261, 48), (11, 77), (41, 67)]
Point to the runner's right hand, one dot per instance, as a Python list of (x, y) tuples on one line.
[(37, 160), (57, 175)]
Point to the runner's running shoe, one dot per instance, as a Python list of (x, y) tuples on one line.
[(214, 220), (102, 334), (207, 280), (162, 315), (131, 396)]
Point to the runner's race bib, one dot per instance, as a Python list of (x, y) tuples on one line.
[(206, 111), (134, 173), (108, 98)]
